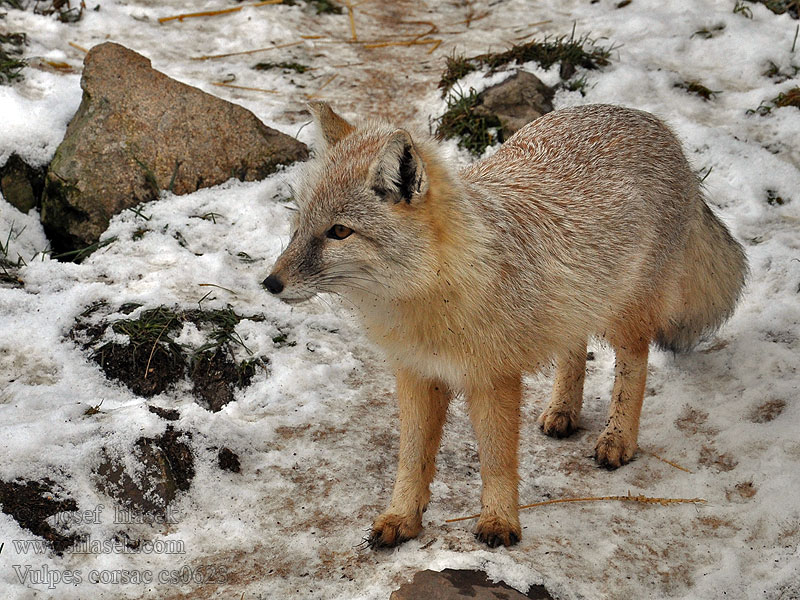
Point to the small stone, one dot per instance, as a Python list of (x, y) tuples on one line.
[(452, 584), (517, 101), (229, 460), (21, 184), (168, 414), (166, 466)]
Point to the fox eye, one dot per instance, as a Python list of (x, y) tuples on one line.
[(338, 232)]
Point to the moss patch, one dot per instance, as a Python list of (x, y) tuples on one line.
[(152, 361)]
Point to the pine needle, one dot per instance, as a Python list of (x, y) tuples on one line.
[(640, 498), (81, 48), (214, 13)]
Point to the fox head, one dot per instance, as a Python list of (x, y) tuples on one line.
[(360, 229)]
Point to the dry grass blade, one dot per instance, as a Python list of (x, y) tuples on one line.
[(417, 40), (352, 18), (81, 48), (669, 462), (640, 498), (155, 344), (243, 87), (322, 87), (214, 13), (246, 52)]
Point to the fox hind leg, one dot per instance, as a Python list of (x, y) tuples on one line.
[(618, 441), (560, 418)]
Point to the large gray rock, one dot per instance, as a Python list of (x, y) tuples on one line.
[(137, 132), (452, 584), (518, 100)]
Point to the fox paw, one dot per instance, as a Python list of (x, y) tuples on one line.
[(557, 423), (494, 532), (390, 530), (612, 450)]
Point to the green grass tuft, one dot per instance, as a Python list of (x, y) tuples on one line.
[(580, 52), (11, 64), (782, 6), (81, 253), (790, 98), (697, 88), (456, 68), (63, 10), (577, 84), (569, 51), (709, 32), (460, 121), (741, 8)]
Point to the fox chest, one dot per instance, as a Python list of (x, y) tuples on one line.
[(429, 353)]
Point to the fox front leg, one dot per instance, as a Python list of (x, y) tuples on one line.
[(423, 407), (494, 411)]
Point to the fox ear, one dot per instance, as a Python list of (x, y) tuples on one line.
[(398, 174), (332, 127)]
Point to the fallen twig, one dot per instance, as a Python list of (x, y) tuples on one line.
[(628, 498)]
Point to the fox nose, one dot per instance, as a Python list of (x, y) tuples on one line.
[(273, 284)]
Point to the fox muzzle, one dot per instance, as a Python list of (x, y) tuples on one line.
[(273, 284)]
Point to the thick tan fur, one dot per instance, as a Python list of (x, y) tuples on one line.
[(588, 222)]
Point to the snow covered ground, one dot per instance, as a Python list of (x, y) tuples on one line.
[(317, 434)]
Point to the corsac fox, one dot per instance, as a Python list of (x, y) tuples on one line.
[(588, 222)]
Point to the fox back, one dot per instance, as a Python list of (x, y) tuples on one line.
[(586, 222)]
